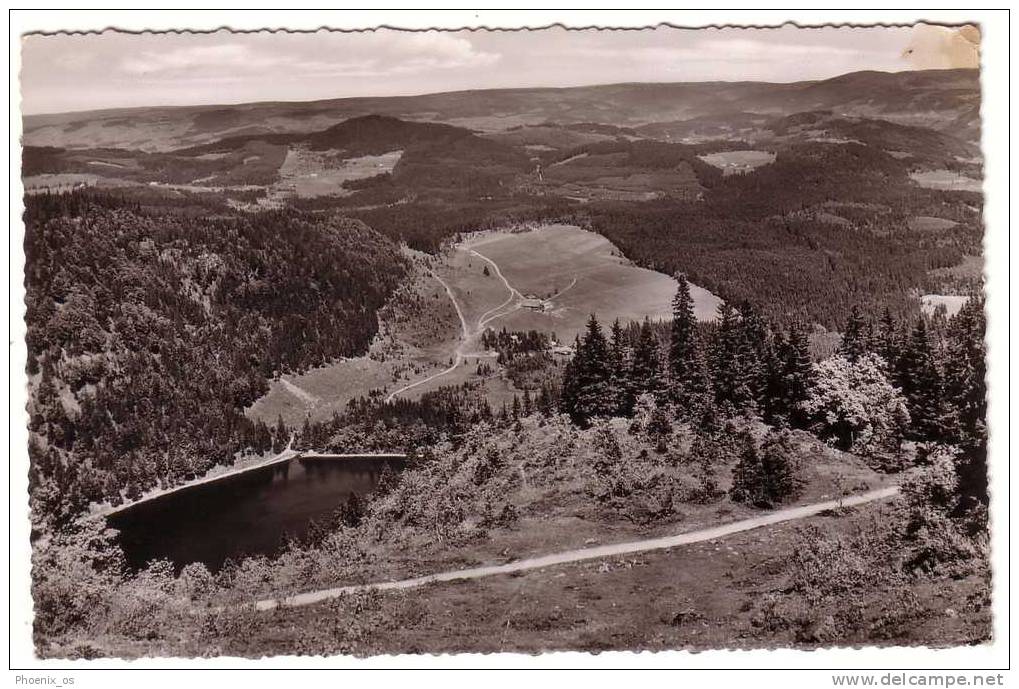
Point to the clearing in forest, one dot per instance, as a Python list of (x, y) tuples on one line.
[(738, 162), (550, 279)]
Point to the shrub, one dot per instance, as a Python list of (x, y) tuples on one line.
[(707, 452), (75, 573), (936, 543), (195, 582), (766, 476), (825, 566)]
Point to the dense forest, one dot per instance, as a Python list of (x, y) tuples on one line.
[(150, 331), (822, 228)]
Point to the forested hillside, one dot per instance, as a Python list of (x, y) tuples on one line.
[(822, 228), (149, 331)]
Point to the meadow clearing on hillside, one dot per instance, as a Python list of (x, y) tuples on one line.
[(932, 224), (322, 173), (946, 180), (951, 303), (576, 273), (738, 162), (550, 138), (418, 330), (608, 176)]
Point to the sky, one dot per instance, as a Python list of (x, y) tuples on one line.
[(63, 73)]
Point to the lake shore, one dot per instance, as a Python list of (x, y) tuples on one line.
[(215, 474)]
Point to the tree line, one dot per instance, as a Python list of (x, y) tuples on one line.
[(890, 382)]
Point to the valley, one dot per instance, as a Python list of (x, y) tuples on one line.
[(548, 278), (617, 338)]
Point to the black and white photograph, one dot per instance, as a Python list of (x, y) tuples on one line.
[(405, 342)]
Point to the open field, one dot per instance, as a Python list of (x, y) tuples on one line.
[(608, 177), (576, 273), (65, 181), (946, 180), (952, 303), (549, 279), (548, 138), (322, 173), (971, 268), (924, 223), (738, 162)]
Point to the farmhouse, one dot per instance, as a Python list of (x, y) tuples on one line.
[(534, 304)]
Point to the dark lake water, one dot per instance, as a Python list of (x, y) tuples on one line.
[(246, 514)]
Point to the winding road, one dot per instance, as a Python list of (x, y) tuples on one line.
[(596, 552), (467, 333)]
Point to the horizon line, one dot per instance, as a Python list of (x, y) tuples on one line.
[(478, 90)]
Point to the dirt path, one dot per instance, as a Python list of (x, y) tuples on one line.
[(458, 355), (300, 393), (514, 295), (597, 552), (467, 333)]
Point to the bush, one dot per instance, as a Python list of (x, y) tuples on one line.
[(766, 476), (75, 573), (707, 451), (627, 477), (825, 566)]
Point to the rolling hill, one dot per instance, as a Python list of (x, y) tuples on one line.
[(939, 99)]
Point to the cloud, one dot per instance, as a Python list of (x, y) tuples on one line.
[(322, 55), (723, 50)]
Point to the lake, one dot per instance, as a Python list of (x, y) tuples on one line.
[(250, 513)]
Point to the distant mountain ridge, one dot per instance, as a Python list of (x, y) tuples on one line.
[(938, 99)]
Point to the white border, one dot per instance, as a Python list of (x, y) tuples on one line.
[(995, 75)]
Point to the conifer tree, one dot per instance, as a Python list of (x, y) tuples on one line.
[(965, 367), (684, 332), (765, 476), (587, 391), (544, 402), (854, 339), (730, 368), (645, 373), (920, 380), (623, 395), (759, 354), (886, 340), (797, 375), (689, 384)]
